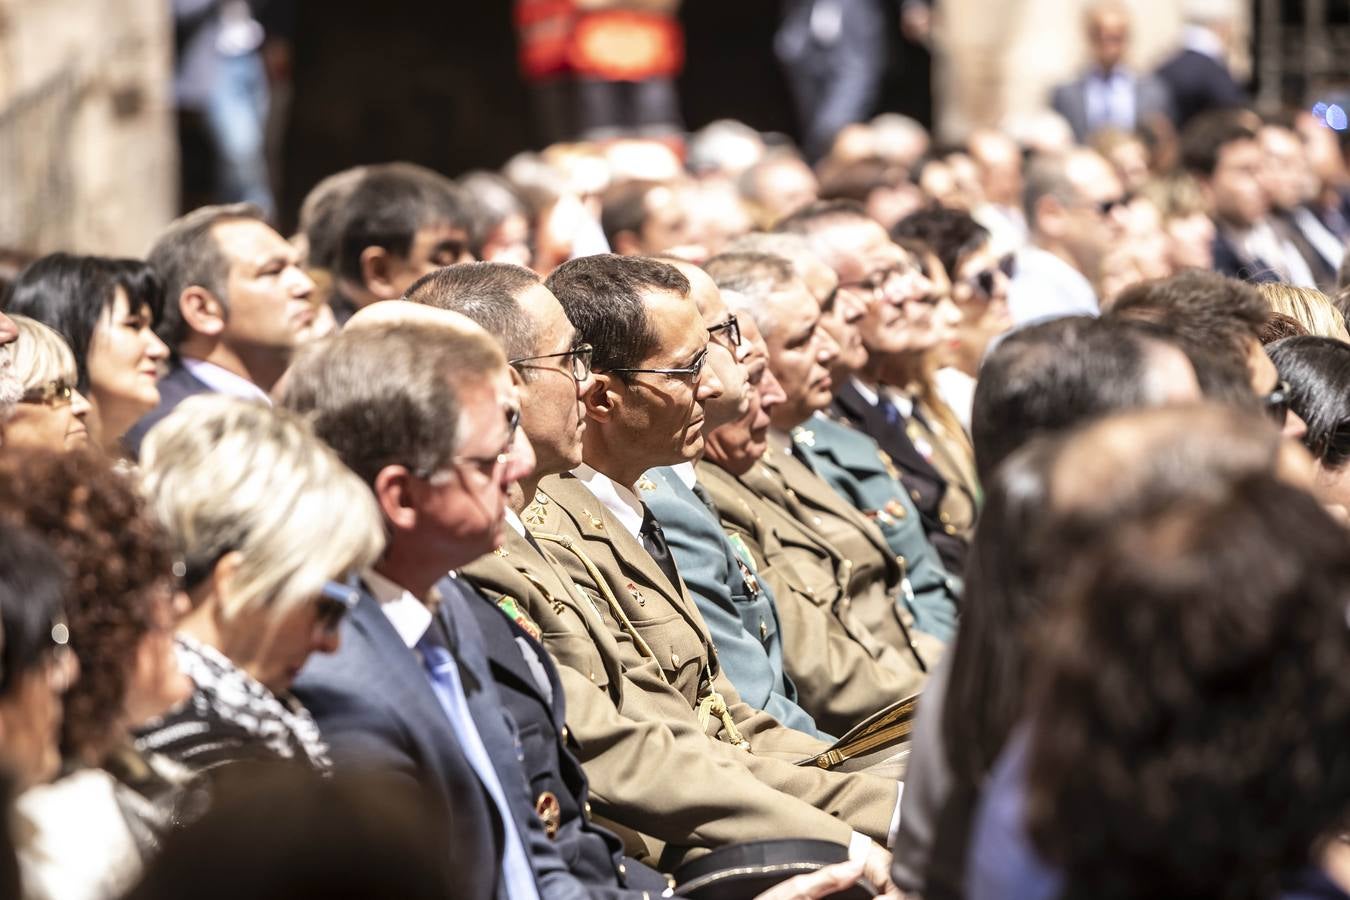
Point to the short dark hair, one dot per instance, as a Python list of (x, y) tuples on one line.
[(1203, 140), (321, 216), (388, 206), (950, 233), (118, 557), (1281, 326), (623, 207), (387, 395), (1171, 703), (33, 585), (1317, 370), (1213, 319), (69, 294), (1047, 175), (856, 180), (187, 254), (494, 200), (1051, 376), (602, 295), (485, 292)]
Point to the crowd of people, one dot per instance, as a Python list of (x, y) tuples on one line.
[(937, 522)]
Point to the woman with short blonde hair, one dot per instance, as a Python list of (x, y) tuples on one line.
[(268, 526), (50, 414), (1312, 308)]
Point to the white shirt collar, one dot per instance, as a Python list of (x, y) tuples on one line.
[(1202, 40), (901, 401), (514, 521), (780, 441), (410, 616), (619, 500), (223, 381), (865, 391), (685, 472)]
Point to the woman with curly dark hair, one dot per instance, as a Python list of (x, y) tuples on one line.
[(94, 825), (1184, 734), (106, 310)]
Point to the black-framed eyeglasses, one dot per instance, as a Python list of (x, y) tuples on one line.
[(1276, 403), (731, 330), (689, 372), (336, 600), (580, 355), (985, 280), (488, 463), (55, 394)]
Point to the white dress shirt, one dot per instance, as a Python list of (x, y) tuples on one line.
[(223, 381), (626, 506)]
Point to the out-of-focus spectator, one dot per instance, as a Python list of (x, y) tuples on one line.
[(1197, 76), (642, 218), (1310, 308), (1316, 371), (50, 417), (1043, 132), (717, 215), (1331, 200), (1188, 228), (220, 74), (1110, 94), (501, 231), (777, 186), (1222, 152), (1076, 208), (882, 189), (1290, 186), (1142, 252), (834, 55), (724, 147), (899, 139), (1000, 166), (1128, 153), (106, 310)]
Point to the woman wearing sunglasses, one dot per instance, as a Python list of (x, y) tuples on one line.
[(51, 414), (267, 524)]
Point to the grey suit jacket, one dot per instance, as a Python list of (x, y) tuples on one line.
[(1151, 99)]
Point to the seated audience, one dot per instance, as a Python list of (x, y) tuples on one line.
[(51, 414), (1309, 307), (1286, 179), (105, 309), (242, 491), (93, 829), (1315, 373)]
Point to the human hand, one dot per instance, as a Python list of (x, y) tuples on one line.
[(814, 885)]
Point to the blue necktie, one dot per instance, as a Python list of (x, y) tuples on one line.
[(517, 875)]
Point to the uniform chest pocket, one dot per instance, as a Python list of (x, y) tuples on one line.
[(676, 648), (577, 652)]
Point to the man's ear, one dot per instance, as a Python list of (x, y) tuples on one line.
[(626, 243), (202, 312), (599, 400), (378, 268), (395, 494)]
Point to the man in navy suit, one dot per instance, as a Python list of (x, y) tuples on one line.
[(1110, 94), (431, 680), (1197, 76), (237, 304)]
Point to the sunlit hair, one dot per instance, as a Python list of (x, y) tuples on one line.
[(1309, 306), (232, 475), (41, 355)]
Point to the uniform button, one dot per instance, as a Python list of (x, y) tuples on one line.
[(566, 735), (914, 494), (763, 630), (675, 659), (944, 518), (587, 806), (815, 520), (949, 529), (592, 676), (901, 561), (623, 870)]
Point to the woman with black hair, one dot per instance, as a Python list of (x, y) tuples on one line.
[(1317, 372), (106, 310)]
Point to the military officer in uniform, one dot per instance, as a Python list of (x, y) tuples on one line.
[(631, 732)]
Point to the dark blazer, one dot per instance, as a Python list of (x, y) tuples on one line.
[(1151, 99), (1199, 83), (378, 712), (175, 387), (536, 714), (925, 484), (1230, 261)]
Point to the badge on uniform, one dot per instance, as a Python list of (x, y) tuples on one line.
[(549, 811), (646, 484), (895, 509), (804, 436), (595, 520), (513, 612), (534, 513), (636, 594)]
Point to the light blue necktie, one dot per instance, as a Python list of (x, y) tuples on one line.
[(517, 874)]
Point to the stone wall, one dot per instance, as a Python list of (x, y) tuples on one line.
[(87, 151)]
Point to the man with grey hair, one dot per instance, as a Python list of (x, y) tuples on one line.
[(236, 306), (1075, 206)]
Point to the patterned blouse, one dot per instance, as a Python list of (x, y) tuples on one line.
[(232, 718)]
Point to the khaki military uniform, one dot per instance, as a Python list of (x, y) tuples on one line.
[(649, 770), (842, 672), (670, 667)]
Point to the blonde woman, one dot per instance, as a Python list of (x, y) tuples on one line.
[(50, 415), (268, 527), (1309, 306)]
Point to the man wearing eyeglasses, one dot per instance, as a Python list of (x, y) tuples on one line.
[(645, 408), (1075, 209)]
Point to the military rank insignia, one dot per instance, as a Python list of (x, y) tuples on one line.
[(534, 513), (804, 436), (646, 485), (513, 612), (636, 594)]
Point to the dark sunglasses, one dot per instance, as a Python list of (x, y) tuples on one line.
[(1106, 207), (1276, 403), (731, 328), (336, 599), (580, 357), (985, 280), (54, 394)]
